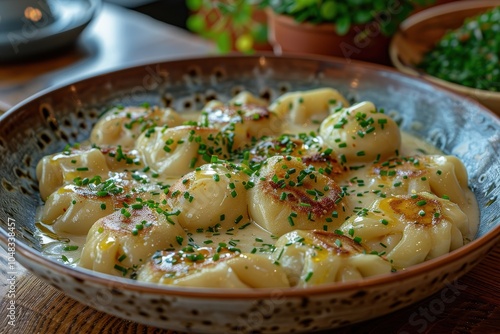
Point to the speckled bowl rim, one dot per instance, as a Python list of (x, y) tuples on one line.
[(82, 274)]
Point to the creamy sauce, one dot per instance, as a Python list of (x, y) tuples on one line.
[(252, 238), (361, 188)]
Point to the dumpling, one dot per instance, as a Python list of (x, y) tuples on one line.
[(74, 208), (401, 176), (213, 268), (306, 106), (123, 125), (121, 159), (117, 244), (174, 152), (214, 194), (448, 178), (289, 195), (62, 168), (309, 148), (317, 257), (361, 134), (245, 97), (410, 228), (242, 123), (442, 175)]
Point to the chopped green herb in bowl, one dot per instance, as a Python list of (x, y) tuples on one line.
[(469, 55)]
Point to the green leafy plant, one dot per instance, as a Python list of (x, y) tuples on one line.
[(230, 23), (345, 13), (227, 20)]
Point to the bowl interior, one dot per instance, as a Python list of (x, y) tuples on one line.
[(44, 124)]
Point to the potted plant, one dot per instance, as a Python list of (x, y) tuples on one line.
[(234, 25), (353, 29)]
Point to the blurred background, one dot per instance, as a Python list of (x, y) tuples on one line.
[(173, 12)]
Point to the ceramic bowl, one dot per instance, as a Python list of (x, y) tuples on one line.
[(420, 32), (48, 121), (31, 28)]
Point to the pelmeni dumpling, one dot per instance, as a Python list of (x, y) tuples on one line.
[(62, 168), (401, 176), (289, 195), (213, 268), (123, 125), (448, 177), (361, 134), (214, 194), (74, 208), (410, 229), (442, 175), (317, 257), (245, 97), (177, 151), (306, 106), (242, 123), (118, 243), (309, 148), (120, 159)]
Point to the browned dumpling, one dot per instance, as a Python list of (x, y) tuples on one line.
[(318, 257), (411, 228), (289, 195), (123, 125), (119, 243), (213, 268)]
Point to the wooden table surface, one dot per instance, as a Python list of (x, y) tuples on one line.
[(43, 309)]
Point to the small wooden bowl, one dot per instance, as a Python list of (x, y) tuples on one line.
[(420, 32)]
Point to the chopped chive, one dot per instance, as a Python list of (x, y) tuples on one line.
[(122, 269)]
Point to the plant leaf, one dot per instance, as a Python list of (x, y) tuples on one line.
[(362, 16), (196, 23), (342, 25), (328, 10), (223, 42), (194, 4)]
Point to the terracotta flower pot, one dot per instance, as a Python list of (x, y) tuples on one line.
[(362, 42)]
